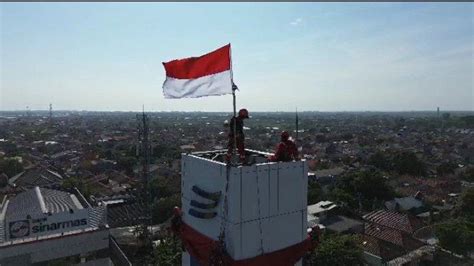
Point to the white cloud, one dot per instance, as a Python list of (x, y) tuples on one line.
[(296, 22)]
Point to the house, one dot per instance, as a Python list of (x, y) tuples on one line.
[(394, 236), (403, 204), (321, 209), (402, 222), (125, 212), (377, 251), (388, 239), (342, 224), (328, 175), (188, 147), (324, 214), (37, 176)]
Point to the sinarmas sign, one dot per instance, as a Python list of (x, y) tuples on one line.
[(23, 228)]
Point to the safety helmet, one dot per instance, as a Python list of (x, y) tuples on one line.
[(285, 135), (243, 113)]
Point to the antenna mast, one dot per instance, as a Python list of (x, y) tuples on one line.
[(50, 113), (143, 134)]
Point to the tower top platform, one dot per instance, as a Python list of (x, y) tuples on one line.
[(253, 156)]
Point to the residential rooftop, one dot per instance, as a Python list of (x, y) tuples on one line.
[(39, 201)]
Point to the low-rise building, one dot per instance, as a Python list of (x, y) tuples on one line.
[(324, 215), (41, 225), (403, 204)]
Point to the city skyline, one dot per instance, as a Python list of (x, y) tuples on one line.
[(310, 56)]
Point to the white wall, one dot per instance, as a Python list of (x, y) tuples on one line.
[(49, 249), (93, 217), (54, 218)]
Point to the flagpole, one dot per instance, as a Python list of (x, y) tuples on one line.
[(234, 88), (235, 119)]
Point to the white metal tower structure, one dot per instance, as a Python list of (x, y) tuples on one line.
[(258, 209)]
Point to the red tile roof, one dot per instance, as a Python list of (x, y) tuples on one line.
[(398, 221), (385, 250)]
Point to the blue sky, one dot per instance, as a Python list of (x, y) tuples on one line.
[(314, 56)]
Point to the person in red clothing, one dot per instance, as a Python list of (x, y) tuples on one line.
[(286, 150), (239, 135)]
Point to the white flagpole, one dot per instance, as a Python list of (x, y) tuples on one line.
[(234, 88)]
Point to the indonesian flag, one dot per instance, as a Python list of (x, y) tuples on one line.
[(206, 75)]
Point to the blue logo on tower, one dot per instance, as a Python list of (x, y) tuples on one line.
[(213, 197), (19, 229)]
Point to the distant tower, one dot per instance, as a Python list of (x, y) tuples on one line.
[(28, 114), (437, 113), (50, 113)]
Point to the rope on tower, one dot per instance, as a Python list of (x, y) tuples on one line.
[(219, 254), (259, 219)]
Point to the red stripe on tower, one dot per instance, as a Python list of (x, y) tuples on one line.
[(210, 74)]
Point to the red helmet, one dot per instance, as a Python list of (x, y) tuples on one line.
[(285, 135), (243, 113)]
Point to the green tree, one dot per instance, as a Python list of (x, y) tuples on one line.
[(10, 166), (408, 163), (168, 251), (466, 205), (314, 193), (342, 196), (127, 164), (469, 174), (160, 187), (9, 148), (468, 120), (380, 160), (162, 209), (337, 250), (164, 151), (446, 116), (144, 253), (321, 165), (369, 185), (456, 235), (446, 168)]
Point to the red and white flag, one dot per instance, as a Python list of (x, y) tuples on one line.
[(207, 75)]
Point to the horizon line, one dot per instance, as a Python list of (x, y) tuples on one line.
[(194, 111)]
